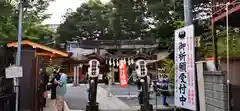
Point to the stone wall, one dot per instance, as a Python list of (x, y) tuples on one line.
[(216, 94)]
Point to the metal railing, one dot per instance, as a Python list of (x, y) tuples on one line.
[(7, 102), (219, 5), (7, 97)]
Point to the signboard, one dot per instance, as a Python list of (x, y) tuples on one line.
[(14, 71), (185, 91), (123, 76)]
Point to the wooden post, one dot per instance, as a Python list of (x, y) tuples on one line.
[(214, 42)]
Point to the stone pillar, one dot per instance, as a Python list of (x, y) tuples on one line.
[(109, 83), (113, 75), (77, 82), (216, 92), (81, 75), (74, 75)]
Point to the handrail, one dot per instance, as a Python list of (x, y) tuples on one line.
[(222, 7), (7, 96)]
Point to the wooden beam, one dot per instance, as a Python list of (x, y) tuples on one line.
[(46, 54), (40, 46)]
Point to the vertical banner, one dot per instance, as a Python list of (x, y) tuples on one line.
[(123, 76), (185, 90)]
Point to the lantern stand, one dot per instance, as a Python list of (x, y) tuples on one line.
[(93, 72), (141, 70)]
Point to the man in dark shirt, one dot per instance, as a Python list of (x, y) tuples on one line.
[(54, 86), (164, 82), (140, 95), (44, 82)]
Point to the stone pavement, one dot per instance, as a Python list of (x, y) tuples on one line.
[(110, 103), (50, 106), (76, 99), (129, 95)]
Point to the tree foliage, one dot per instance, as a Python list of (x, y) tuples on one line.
[(133, 19), (125, 19), (90, 21), (114, 20), (33, 16)]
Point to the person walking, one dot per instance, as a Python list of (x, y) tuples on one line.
[(164, 89), (61, 91), (105, 79), (53, 85)]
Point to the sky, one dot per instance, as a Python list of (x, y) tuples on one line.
[(59, 7)]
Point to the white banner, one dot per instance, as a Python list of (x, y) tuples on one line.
[(185, 92)]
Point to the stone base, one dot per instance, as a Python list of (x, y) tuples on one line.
[(148, 107), (92, 107), (75, 84)]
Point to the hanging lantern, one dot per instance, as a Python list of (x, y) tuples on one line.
[(117, 62), (106, 61), (110, 62), (124, 61), (114, 62), (129, 61), (132, 61)]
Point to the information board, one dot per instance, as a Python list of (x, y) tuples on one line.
[(14, 71)]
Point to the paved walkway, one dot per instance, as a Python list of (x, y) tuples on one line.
[(50, 105), (129, 95), (110, 103), (76, 99)]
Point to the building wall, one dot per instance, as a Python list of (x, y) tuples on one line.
[(27, 84), (216, 94), (234, 71)]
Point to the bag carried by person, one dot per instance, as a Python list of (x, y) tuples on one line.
[(45, 94)]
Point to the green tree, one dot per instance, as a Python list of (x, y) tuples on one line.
[(167, 16), (114, 20), (7, 28), (234, 42), (130, 19), (33, 16), (90, 21)]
